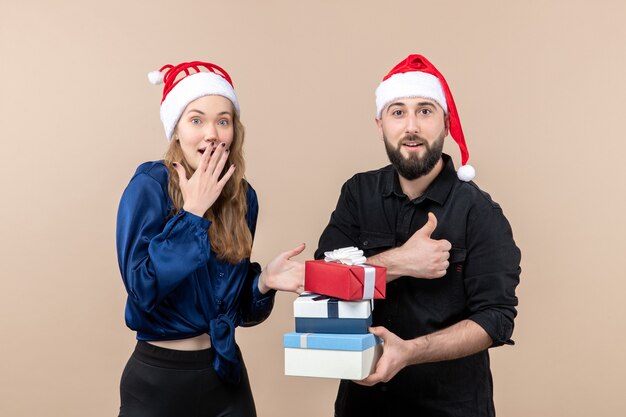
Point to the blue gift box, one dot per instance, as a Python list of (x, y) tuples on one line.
[(327, 341), (322, 325), (341, 356)]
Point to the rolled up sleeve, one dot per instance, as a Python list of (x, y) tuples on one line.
[(492, 272)]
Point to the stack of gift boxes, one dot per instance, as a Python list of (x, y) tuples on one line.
[(332, 318)]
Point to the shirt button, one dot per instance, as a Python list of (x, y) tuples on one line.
[(365, 243), (221, 274)]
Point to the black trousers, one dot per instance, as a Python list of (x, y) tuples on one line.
[(159, 382), (408, 395)]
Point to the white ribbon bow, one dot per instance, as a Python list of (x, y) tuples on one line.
[(347, 256)]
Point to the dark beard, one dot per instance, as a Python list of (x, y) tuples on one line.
[(415, 167)]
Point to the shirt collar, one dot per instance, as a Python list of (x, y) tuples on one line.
[(391, 183), (438, 190)]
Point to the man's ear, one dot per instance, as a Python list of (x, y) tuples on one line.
[(379, 123), (446, 121)]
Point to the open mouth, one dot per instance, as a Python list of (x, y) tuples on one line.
[(412, 145), (202, 150)]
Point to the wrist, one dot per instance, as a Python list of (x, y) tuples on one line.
[(388, 260), (263, 288), (193, 210), (416, 350)]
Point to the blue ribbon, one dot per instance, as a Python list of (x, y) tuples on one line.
[(332, 306)]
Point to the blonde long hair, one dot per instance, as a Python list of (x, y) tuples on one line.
[(229, 233)]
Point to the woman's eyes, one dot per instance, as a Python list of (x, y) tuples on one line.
[(198, 121)]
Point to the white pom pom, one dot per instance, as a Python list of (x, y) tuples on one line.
[(466, 173), (155, 77)]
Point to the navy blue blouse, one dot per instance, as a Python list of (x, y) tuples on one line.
[(177, 288)]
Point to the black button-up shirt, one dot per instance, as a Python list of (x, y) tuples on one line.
[(374, 214)]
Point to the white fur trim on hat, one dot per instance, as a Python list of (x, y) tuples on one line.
[(189, 89), (409, 84)]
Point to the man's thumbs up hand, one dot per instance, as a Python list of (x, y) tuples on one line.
[(424, 257), (429, 227)]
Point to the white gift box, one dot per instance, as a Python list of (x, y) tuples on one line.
[(318, 306), (342, 356), (316, 313)]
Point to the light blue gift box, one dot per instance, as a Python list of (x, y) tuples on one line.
[(325, 355), (328, 341)]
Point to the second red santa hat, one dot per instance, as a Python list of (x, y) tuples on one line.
[(415, 76)]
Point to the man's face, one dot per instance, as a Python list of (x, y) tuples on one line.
[(413, 130)]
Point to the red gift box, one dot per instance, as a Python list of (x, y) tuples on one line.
[(342, 281)]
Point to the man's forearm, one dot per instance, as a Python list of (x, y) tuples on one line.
[(390, 260), (459, 340), (418, 257)]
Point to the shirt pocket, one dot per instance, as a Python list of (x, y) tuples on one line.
[(375, 242), (449, 291), (457, 261)]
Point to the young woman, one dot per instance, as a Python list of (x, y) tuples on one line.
[(184, 235)]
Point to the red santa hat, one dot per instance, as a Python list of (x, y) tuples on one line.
[(186, 82), (415, 76)]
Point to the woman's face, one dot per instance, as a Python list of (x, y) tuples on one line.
[(205, 121)]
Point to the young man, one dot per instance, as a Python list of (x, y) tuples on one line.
[(452, 264)]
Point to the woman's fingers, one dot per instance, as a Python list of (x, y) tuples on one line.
[(206, 157), (215, 158), (293, 252), (219, 166), (204, 187), (182, 175), (226, 177)]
